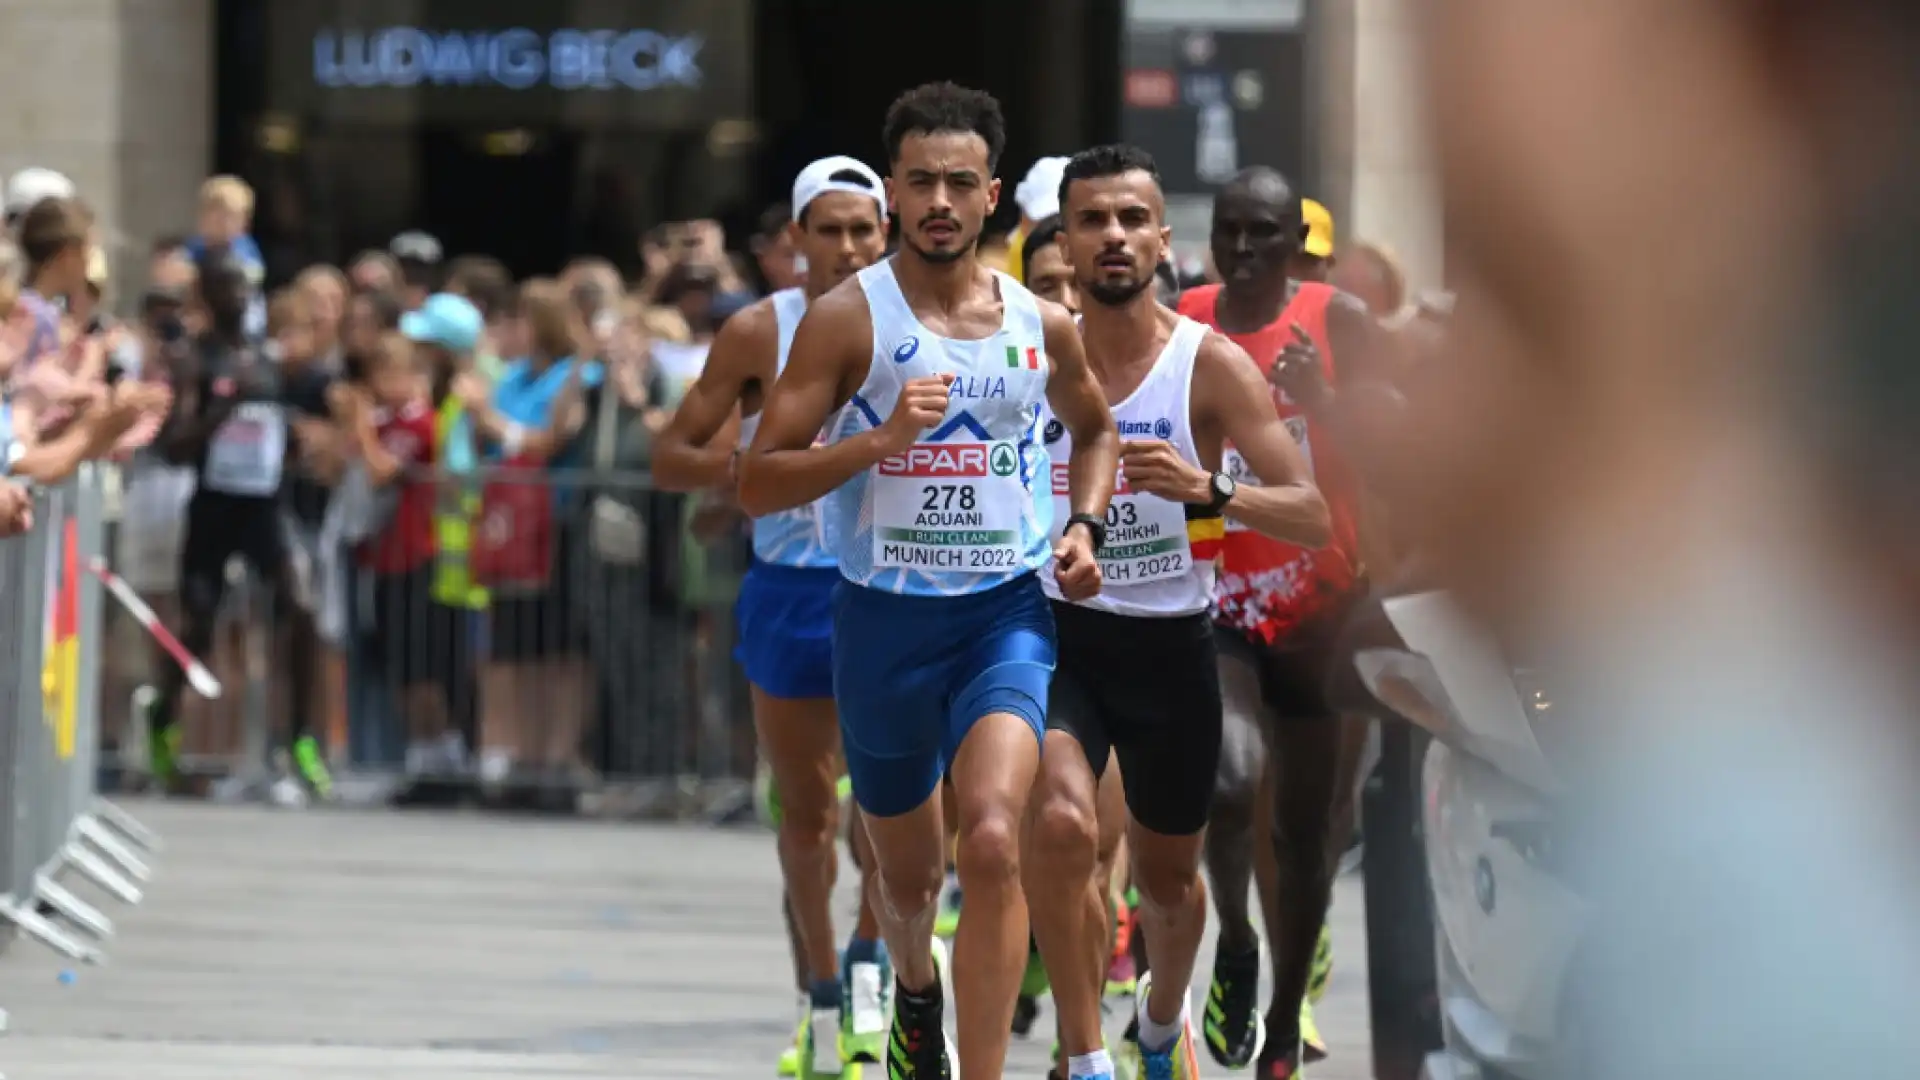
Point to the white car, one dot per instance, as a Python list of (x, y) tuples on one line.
[(1508, 924)]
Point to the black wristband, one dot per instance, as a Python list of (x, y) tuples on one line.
[(1096, 528)]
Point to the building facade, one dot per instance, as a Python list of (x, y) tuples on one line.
[(539, 130)]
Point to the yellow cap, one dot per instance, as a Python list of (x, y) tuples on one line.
[(1319, 229)]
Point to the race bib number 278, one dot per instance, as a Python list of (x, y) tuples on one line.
[(949, 506)]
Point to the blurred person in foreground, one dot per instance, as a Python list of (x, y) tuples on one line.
[(231, 426), (784, 610), (1699, 517), (1280, 607)]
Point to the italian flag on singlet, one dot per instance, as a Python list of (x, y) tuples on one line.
[(1028, 357)]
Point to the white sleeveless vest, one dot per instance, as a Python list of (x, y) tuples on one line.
[(956, 513), (787, 537), (1147, 566)]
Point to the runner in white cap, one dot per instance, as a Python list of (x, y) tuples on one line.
[(784, 613), (1038, 197)]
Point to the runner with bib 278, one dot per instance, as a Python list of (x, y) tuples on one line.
[(934, 371)]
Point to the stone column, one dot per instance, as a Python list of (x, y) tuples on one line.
[(1376, 167), (117, 94)]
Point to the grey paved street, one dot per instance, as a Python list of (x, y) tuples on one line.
[(434, 946)]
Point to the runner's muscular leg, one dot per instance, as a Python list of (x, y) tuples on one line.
[(993, 775), (801, 739), (1315, 767), (1230, 834), (1066, 894), (866, 926), (1110, 868)]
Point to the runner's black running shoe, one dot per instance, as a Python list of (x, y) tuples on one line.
[(917, 1049), (1234, 1028)]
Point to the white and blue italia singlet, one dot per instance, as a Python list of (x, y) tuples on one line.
[(787, 537), (957, 513)]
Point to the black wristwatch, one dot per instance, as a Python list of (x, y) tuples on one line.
[(1223, 487), (1096, 529)]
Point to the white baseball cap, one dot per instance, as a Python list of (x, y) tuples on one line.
[(817, 179), (1039, 193), (30, 187)]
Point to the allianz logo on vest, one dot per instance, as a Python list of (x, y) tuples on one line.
[(1159, 429), (511, 59)]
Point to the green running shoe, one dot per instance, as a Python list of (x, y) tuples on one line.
[(1322, 966), (1034, 983), (790, 1057), (1234, 1029), (946, 922), (311, 764), (766, 795), (866, 1008), (163, 753)]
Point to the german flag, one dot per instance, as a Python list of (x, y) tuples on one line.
[(1206, 532), (60, 681)]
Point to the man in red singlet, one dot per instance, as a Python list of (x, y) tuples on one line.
[(1279, 608)]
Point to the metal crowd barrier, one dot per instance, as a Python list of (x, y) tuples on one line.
[(54, 828), (610, 687)]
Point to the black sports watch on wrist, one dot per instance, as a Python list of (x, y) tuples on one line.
[(1096, 529), (1223, 488)]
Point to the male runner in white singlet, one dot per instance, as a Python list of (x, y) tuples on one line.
[(1137, 672), (785, 614), (934, 371)]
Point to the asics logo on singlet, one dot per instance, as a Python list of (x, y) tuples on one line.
[(904, 351), (1159, 429)]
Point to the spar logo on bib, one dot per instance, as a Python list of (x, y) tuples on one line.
[(962, 462), (932, 462)]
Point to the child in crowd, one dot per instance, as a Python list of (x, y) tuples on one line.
[(226, 215), (391, 424)]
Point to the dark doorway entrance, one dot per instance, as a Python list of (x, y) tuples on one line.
[(508, 194)]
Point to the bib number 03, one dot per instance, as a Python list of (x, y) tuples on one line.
[(949, 506), (1146, 535)]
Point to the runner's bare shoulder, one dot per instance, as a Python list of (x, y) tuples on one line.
[(836, 333)]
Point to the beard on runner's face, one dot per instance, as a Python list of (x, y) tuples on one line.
[(1117, 273), (941, 237)]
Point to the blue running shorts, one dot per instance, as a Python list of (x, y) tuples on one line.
[(784, 625), (913, 674)]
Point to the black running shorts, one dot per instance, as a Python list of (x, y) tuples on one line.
[(220, 527), (1149, 690)]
